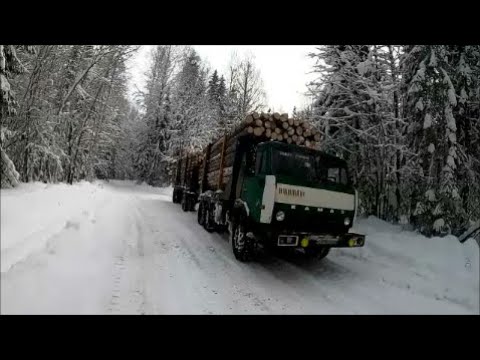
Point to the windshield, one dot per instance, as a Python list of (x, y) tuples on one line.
[(294, 164), (307, 166), (336, 175)]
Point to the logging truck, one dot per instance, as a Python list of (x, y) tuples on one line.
[(270, 187)]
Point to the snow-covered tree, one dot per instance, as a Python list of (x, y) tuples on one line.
[(157, 125), (245, 91), (67, 95), (442, 86), (195, 123), (354, 109), (10, 66), (407, 121)]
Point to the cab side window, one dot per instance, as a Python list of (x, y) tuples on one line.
[(334, 175), (338, 176), (258, 164)]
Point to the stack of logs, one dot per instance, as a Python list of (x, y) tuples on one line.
[(269, 127), (282, 128), (185, 169), (219, 157)]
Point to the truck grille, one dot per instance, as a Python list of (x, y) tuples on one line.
[(301, 220)]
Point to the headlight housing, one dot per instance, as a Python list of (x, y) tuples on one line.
[(346, 221), (280, 216)]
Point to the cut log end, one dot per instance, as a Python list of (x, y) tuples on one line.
[(258, 131)]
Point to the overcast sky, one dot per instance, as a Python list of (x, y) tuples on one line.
[(284, 69)]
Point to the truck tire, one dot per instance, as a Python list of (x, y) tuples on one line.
[(208, 223), (242, 246), (201, 214), (175, 196), (192, 204), (317, 252), (185, 202)]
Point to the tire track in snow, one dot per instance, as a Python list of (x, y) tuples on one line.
[(119, 269), (141, 287), (128, 292), (196, 254)]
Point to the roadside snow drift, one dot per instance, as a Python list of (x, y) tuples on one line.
[(120, 248)]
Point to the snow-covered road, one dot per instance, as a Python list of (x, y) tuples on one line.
[(117, 248)]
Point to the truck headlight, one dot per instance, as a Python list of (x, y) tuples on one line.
[(346, 221), (280, 216)]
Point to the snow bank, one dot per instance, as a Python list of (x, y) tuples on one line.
[(439, 267), (442, 253), (32, 213)]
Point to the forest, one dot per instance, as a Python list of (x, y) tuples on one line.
[(406, 118)]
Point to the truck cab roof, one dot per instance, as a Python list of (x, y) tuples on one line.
[(330, 159)]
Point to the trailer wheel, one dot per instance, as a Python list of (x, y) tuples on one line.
[(208, 223), (242, 245), (317, 252), (201, 214)]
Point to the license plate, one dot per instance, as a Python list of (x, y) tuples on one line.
[(287, 240), (325, 239)]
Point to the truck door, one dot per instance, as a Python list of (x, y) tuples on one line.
[(241, 176)]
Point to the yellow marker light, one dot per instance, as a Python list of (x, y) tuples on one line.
[(304, 242)]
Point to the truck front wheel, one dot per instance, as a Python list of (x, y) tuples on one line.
[(185, 202), (201, 214), (241, 244), (175, 196)]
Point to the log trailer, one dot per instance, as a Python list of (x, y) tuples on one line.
[(270, 191)]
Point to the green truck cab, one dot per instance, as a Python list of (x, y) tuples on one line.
[(282, 196)]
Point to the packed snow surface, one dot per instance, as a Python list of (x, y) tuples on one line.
[(120, 248)]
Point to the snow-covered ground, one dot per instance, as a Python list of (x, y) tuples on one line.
[(120, 248)]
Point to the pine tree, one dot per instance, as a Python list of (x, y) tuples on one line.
[(155, 129), (441, 99), (213, 89)]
